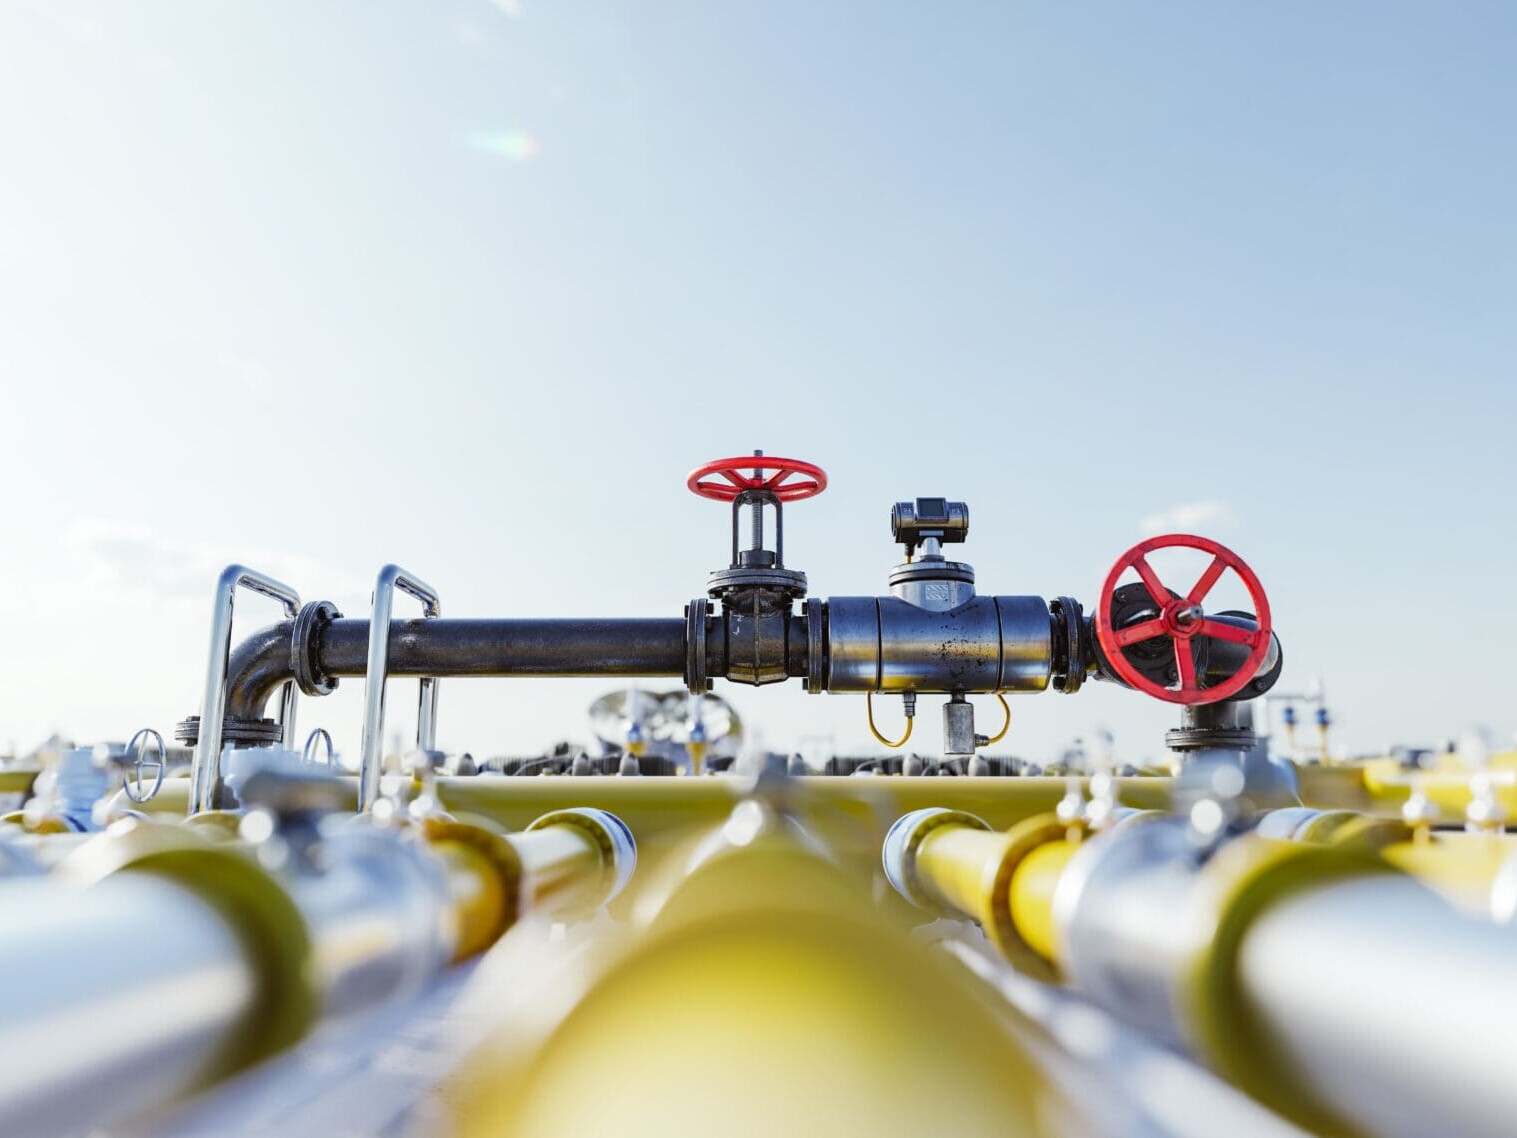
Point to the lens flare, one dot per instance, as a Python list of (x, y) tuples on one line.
[(512, 145)]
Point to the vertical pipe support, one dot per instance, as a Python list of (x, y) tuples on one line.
[(206, 771), (391, 578)]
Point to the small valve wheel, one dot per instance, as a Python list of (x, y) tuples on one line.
[(756, 582), (1181, 618), (753, 472)]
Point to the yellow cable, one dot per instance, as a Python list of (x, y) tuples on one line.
[(1005, 727), (875, 731)]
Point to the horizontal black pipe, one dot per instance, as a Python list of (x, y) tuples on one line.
[(443, 647)]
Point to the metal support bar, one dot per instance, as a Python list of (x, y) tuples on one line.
[(206, 771), (392, 577)]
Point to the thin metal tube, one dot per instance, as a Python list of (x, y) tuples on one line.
[(206, 771), (376, 672)]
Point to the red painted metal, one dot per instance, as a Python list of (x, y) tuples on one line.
[(1180, 619), (752, 472)]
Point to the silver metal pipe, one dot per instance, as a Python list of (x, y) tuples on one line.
[(392, 577), (132, 990), (206, 772), (1116, 906), (379, 919), (1164, 1094), (125, 995), (1391, 1009), (1357, 996), (1504, 893), (987, 644)]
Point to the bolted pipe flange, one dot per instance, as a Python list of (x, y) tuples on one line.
[(305, 644), (234, 730), (1071, 649), (784, 583), (696, 679), (816, 645)]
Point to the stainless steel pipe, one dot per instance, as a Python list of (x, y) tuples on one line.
[(986, 644), (379, 918), (132, 990), (1335, 989), (1389, 1008)]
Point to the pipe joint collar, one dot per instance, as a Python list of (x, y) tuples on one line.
[(618, 847), (899, 853)]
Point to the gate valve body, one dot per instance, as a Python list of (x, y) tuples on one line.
[(756, 590), (756, 482)]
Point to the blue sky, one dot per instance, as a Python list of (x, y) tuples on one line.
[(471, 286)]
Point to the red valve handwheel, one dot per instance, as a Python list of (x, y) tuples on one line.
[(751, 472), (1181, 619)]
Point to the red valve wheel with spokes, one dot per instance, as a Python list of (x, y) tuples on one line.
[(758, 472), (1181, 619)]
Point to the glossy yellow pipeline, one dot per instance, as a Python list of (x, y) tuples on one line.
[(1461, 867), (952, 863), (755, 992)]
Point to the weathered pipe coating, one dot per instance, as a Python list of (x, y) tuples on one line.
[(442, 647)]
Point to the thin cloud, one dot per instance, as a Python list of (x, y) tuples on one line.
[(1188, 517), (135, 559)]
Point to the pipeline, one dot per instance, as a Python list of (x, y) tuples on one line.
[(205, 960), (446, 647), (1285, 966), (753, 988), (848, 652), (1465, 869)]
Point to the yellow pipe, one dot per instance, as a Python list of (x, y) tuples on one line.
[(563, 865), (954, 863), (958, 866), (1381, 786), (1460, 867), (484, 876), (50, 823), (17, 781), (1032, 889), (760, 993), (479, 898), (656, 807), (1336, 788)]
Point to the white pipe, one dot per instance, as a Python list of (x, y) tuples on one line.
[(1395, 1012), (118, 997)]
